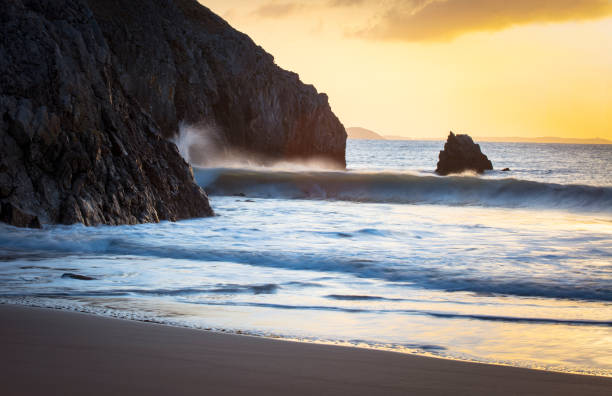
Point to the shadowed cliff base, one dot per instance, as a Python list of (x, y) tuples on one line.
[(91, 91)]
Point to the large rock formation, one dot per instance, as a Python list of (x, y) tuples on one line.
[(90, 90), (184, 63), (461, 154), (75, 145)]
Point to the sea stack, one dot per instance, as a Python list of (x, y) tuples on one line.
[(461, 154), (92, 91)]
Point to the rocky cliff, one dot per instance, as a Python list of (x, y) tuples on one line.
[(90, 90), (183, 63)]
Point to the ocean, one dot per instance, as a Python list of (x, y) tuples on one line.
[(509, 268)]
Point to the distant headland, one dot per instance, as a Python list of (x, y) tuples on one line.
[(362, 133)]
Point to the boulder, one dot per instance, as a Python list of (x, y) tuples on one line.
[(461, 154)]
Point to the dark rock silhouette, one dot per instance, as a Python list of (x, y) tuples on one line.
[(76, 146), (183, 63), (461, 154), (90, 90), (77, 276), (506, 170)]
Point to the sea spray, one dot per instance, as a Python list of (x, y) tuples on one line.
[(199, 144), (203, 145)]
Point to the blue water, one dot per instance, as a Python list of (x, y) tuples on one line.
[(508, 267)]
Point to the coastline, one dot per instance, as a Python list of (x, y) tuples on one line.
[(70, 353)]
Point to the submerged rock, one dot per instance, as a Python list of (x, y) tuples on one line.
[(91, 91), (461, 154), (77, 276)]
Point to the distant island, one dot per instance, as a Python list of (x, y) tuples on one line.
[(362, 133)]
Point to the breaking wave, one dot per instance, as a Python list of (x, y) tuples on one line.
[(400, 271), (403, 188)]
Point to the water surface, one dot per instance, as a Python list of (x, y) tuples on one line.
[(512, 268)]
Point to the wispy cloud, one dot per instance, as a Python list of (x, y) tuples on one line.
[(441, 20), (345, 3), (277, 10), (280, 8)]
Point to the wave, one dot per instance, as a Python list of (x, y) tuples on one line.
[(268, 288), (435, 314), (346, 297), (398, 271), (402, 188), (343, 309)]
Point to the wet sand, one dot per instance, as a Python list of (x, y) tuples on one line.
[(55, 352)]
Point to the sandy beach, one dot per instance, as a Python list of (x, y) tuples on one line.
[(283, 197), (55, 352)]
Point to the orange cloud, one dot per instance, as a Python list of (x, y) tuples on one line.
[(277, 10), (441, 20), (281, 9)]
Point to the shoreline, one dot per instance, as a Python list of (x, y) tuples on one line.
[(71, 351), (125, 316)]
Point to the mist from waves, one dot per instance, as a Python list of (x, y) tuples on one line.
[(203, 145)]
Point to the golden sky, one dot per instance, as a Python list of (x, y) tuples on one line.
[(420, 68)]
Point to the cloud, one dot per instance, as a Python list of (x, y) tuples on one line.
[(442, 20), (277, 10), (281, 9), (345, 3)]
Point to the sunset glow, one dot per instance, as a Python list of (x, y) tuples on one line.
[(420, 68), (417, 194)]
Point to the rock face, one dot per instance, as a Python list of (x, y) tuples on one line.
[(183, 63), (75, 145), (12, 215), (460, 154), (90, 90)]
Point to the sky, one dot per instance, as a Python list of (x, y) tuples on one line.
[(419, 68)]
